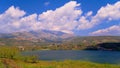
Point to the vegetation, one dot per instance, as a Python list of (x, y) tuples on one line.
[(55, 64), (14, 54), (75, 43), (10, 57), (8, 52)]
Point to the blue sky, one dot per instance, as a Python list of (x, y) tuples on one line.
[(80, 17)]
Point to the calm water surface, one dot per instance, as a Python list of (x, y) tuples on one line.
[(112, 57)]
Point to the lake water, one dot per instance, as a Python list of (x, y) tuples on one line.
[(112, 57)]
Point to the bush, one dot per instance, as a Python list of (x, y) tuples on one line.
[(14, 53), (8, 52), (30, 59)]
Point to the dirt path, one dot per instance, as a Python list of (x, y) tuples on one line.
[(8, 63)]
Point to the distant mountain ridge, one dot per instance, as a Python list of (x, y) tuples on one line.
[(92, 40), (46, 37), (41, 35)]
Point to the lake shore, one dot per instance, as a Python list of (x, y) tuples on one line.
[(11, 57)]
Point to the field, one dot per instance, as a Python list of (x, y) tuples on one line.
[(53, 64)]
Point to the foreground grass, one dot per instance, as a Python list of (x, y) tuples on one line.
[(56, 64), (10, 57)]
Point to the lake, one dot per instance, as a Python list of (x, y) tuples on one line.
[(112, 57)]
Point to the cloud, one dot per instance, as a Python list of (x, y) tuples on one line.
[(9, 20), (14, 12), (66, 18), (46, 3), (60, 19), (113, 30), (89, 13), (106, 13), (63, 18), (109, 11)]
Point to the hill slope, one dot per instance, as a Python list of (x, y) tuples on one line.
[(38, 36)]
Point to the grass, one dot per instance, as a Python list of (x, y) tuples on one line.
[(56, 64), (1, 64), (11, 58)]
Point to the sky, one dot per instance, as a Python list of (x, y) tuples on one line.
[(79, 17)]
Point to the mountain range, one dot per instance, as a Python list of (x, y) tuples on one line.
[(38, 36), (45, 37)]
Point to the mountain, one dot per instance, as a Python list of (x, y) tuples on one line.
[(47, 37), (92, 40), (38, 36)]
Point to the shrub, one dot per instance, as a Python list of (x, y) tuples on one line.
[(14, 53), (30, 59), (8, 52)]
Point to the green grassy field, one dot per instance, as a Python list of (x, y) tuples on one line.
[(54, 64)]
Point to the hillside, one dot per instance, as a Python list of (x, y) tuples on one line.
[(51, 37), (56, 40), (92, 40), (95, 42), (43, 36)]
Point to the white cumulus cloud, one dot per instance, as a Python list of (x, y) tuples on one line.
[(108, 13), (113, 30), (9, 20), (61, 19), (66, 18)]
